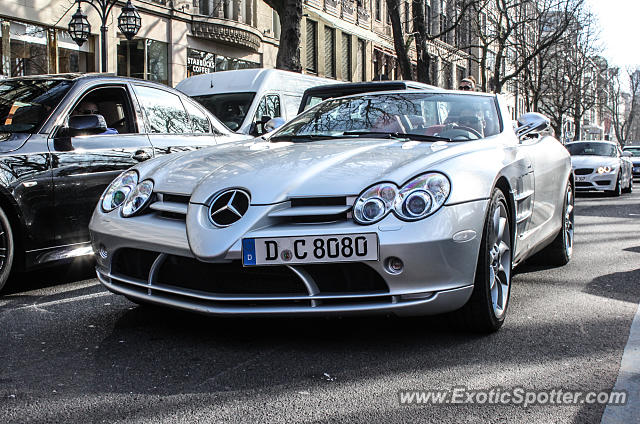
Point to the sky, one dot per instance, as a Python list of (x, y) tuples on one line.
[(620, 26)]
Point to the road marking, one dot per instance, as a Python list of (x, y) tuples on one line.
[(67, 300), (628, 379)]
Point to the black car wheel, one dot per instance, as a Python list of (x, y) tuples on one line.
[(486, 309), (6, 248)]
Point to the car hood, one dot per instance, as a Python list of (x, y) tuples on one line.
[(591, 161), (12, 141), (274, 172)]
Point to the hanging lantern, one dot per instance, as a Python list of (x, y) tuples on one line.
[(79, 27), (129, 21)]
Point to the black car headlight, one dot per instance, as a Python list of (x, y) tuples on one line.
[(417, 199), (118, 190), (137, 199)]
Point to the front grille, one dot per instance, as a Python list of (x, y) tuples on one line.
[(175, 198), (583, 171), (229, 285), (310, 210), (228, 278), (134, 263)]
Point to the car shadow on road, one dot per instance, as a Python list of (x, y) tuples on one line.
[(77, 270)]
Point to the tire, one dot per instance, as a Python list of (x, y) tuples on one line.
[(629, 189), (560, 251), (7, 248), (616, 192), (486, 309)]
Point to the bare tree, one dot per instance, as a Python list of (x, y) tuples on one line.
[(621, 104), (566, 79), (290, 13), (423, 32)]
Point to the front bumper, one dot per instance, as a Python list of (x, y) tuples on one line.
[(636, 170), (437, 277), (594, 181)]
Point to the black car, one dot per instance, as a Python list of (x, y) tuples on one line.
[(64, 138), (320, 93)]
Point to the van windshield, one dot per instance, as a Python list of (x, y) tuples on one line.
[(230, 108), (25, 104)]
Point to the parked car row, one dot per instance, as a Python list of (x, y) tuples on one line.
[(634, 150), (407, 199)]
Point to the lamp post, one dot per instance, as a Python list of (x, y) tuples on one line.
[(129, 23)]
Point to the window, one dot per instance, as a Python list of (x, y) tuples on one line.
[(199, 121), (269, 107), (446, 74), (230, 108), (378, 9), (361, 60), (330, 52), (164, 111), (275, 24), (312, 47), (113, 104), (132, 56), (346, 57)]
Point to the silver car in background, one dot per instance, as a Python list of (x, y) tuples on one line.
[(601, 166), (634, 151), (408, 203)]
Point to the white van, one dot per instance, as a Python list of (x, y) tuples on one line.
[(245, 99)]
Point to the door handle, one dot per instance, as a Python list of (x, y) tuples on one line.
[(141, 156)]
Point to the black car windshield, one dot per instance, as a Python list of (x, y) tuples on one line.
[(230, 108), (456, 117), (25, 104), (592, 149)]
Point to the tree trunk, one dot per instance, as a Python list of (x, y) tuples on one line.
[(393, 9), (290, 13), (421, 32)]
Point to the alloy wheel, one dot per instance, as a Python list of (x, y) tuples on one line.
[(568, 221), (500, 260)]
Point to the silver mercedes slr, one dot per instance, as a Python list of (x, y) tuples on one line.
[(405, 202)]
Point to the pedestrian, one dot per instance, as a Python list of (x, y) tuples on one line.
[(468, 84)]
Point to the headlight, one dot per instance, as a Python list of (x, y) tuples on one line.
[(138, 198), (417, 199), (422, 196), (604, 170), (374, 203), (118, 190)]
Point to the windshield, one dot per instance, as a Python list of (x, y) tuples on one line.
[(456, 117), (26, 104), (230, 108), (635, 151), (592, 149)]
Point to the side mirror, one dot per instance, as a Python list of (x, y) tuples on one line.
[(273, 124), (86, 125), (627, 154), (532, 123)]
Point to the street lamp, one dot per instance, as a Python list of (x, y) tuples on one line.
[(129, 23)]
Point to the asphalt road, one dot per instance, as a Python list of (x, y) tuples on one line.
[(72, 352)]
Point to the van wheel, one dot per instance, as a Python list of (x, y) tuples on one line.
[(7, 248)]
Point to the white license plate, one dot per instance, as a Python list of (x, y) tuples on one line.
[(310, 249), (581, 178)]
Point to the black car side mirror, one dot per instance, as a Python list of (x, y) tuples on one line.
[(86, 125)]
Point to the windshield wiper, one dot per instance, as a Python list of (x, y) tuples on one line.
[(303, 137), (398, 135)]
